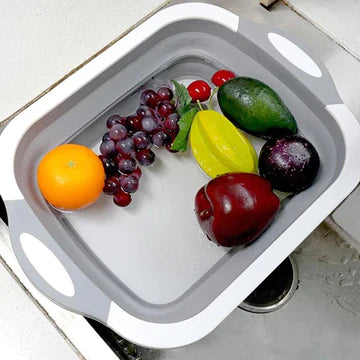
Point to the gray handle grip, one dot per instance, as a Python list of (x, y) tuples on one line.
[(290, 60), (25, 226)]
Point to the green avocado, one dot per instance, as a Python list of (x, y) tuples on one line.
[(255, 108)]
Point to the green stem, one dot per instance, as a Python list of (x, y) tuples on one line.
[(199, 105), (211, 97)]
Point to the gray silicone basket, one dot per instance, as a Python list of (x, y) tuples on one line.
[(147, 271)]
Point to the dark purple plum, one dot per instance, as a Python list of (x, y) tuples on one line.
[(290, 163)]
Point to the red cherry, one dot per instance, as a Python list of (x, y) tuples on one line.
[(199, 90), (121, 198), (221, 77)]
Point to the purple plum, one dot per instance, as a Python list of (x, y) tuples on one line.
[(291, 163)]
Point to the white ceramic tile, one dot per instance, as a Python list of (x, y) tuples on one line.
[(337, 18), (26, 334), (42, 40)]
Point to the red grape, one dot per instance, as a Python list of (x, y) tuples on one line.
[(125, 147), (111, 185), (118, 132), (144, 110), (145, 157), (137, 172), (164, 93), (141, 140), (106, 136), (122, 198), (133, 123), (171, 122), (112, 120), (127, 165), (110, 166), (160, 139), (165, 108), (149, 123), (168, 148), (129, 183), (107, 148), (149, 97)]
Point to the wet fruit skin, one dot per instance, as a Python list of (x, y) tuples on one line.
[(221, 77), (235, 208), (254, 107), (199, 90), (122, 199), (290, 163), (70, 176)]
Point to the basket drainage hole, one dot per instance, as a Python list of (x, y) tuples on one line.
[(275, 291)]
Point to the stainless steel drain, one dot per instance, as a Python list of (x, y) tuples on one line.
[(275, 291)]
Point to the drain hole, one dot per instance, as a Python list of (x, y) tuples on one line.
[(275, 291)]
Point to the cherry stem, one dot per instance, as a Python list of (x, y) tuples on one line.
[(211, 97), (199, 105)]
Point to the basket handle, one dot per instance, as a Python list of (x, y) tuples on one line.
[(49, 268), (290, 60)]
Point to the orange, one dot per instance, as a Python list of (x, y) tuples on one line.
[(70, 177)]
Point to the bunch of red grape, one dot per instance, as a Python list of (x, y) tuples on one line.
[(129, 139)]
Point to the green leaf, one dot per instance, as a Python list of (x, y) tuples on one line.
[(180, 142), (182, 111), (182, 94)]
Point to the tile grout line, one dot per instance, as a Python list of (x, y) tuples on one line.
[(5, 121), (38, 305), (323, 30)]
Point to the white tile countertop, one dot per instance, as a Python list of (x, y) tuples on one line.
[(42, 41), (25, 332), (338, 19)]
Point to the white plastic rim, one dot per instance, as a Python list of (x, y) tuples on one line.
[(158, 335), (193, 329), (296, 56), (20, 124)]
